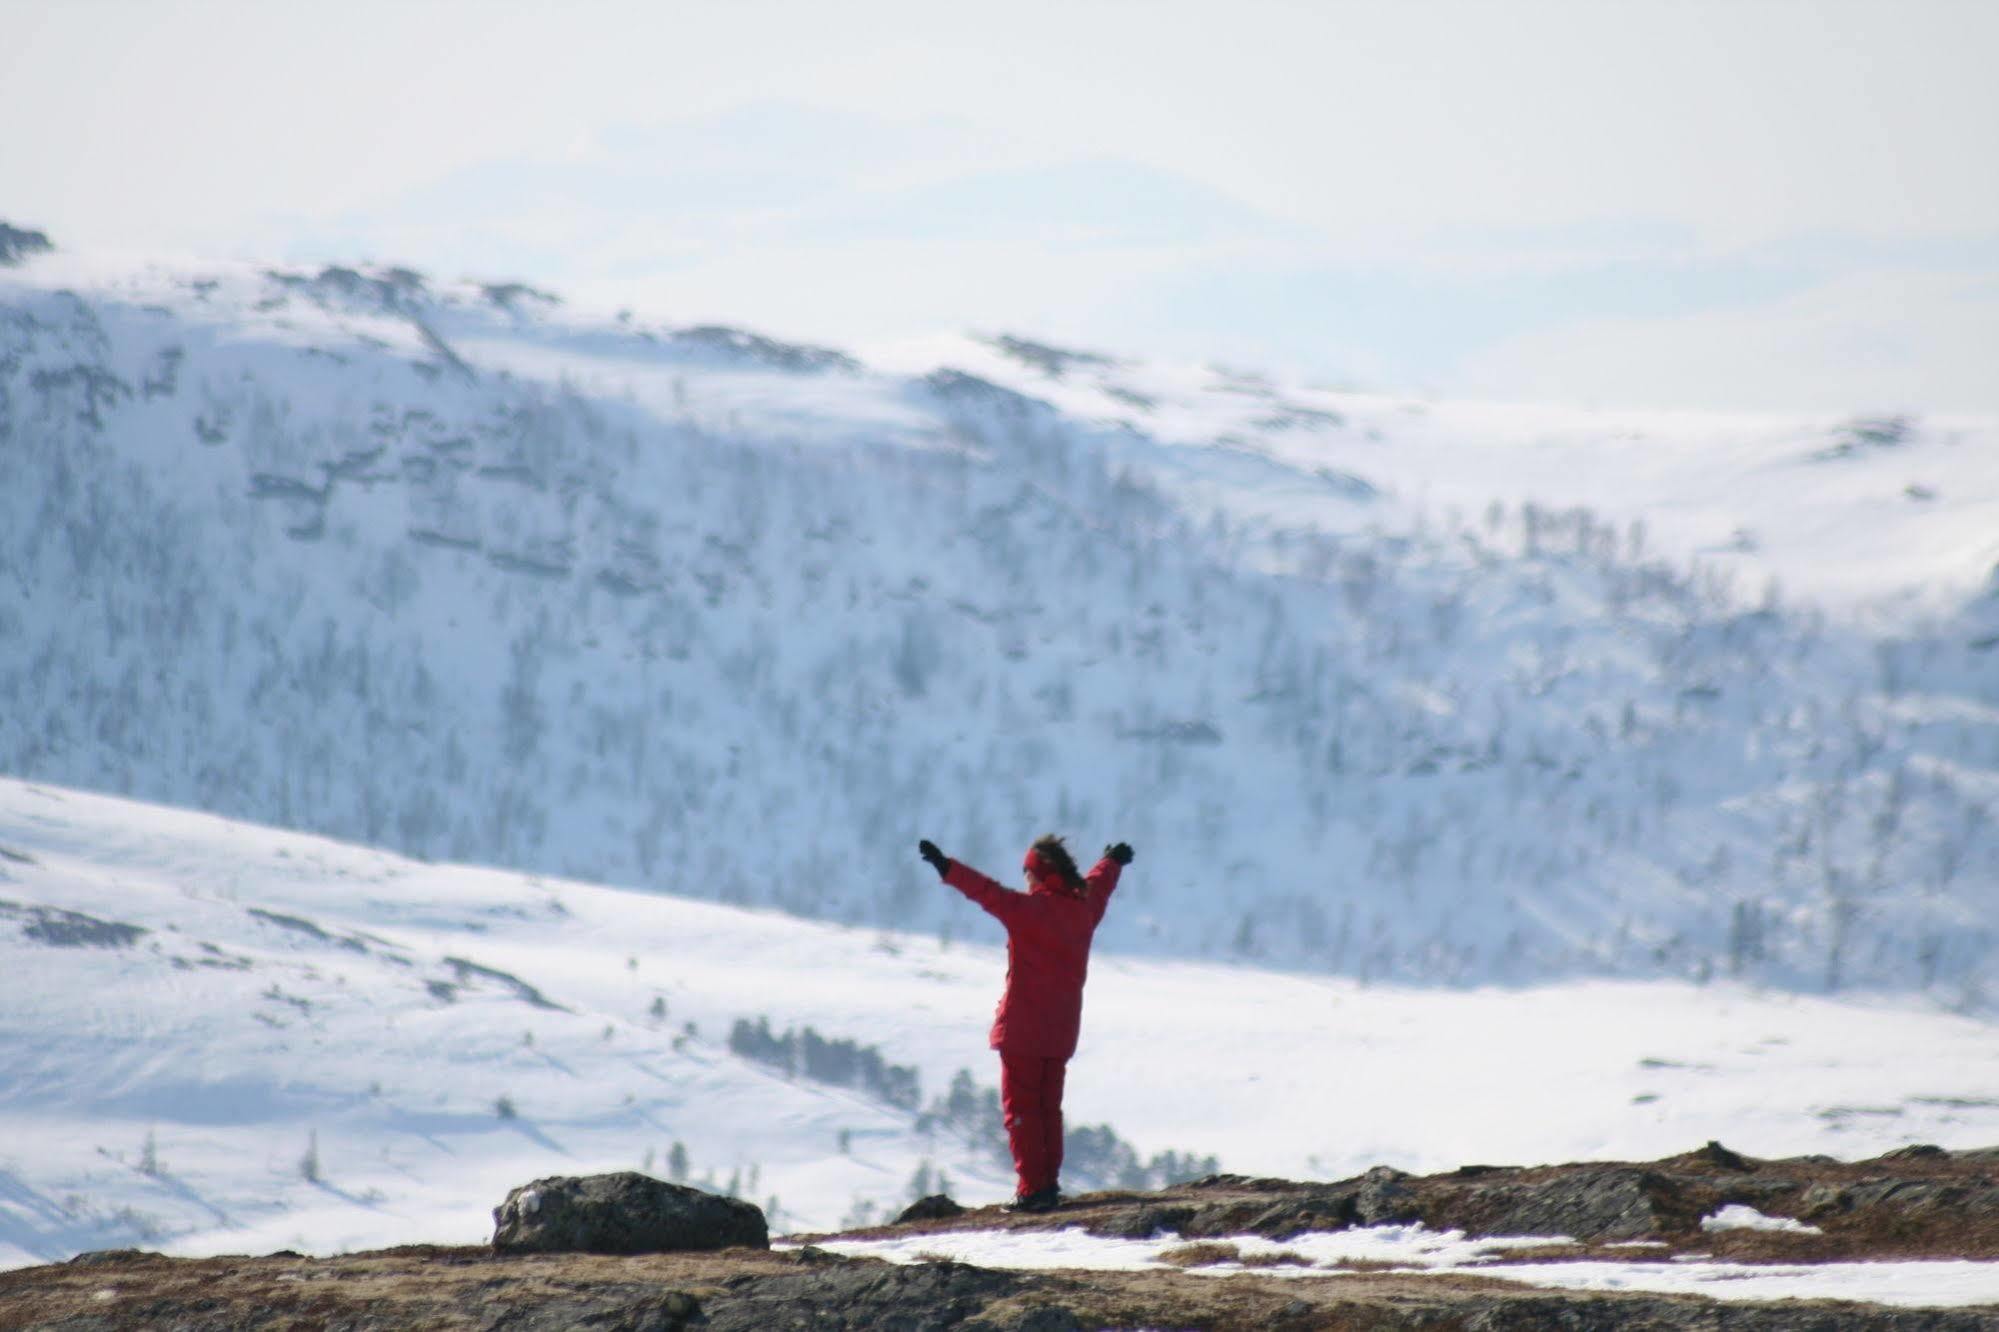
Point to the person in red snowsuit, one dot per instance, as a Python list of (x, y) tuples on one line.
[(1048, 933)]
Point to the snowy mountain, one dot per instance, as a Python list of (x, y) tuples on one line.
[(222, 1038), (1379, 688)]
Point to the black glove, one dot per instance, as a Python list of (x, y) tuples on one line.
[(938, 860), (1121, 853)]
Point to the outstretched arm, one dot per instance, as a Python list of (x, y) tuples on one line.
[(1102, 879), (1001, 903)]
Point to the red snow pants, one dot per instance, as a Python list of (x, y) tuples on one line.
[(1031, 1101)]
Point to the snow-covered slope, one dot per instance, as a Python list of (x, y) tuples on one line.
[(216, 1037), (1380, 688)]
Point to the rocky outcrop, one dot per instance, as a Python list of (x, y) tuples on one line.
[(1611, 1204), (624, 1212), (1915, 1201), (741, 1290), (1909, 1203)]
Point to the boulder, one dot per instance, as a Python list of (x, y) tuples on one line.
[(624, 1212), (935, 1207)]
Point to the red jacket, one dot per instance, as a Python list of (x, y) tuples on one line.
[(1048, 934)]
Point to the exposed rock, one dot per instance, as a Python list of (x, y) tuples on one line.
[(1915, 1151), (1144, 1222), (1049, 360), (72, 929), (1330, 1208), (17, 243), (792, 358), (1385, 1198), (511, 295), (1609, 1203), (1715, 1154), (468, 971), (1586, 1203), (115, 1257), (624, 1212), (383, 290), (1931, 1204), (935, 1207)]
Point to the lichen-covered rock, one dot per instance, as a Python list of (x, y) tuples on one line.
[(624, 1212)]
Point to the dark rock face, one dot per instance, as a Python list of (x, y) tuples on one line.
[(1611, 1203), (1907, 1202), (936, 1207), (1385, 1198), (1318, 1209), (622, 1213), (17, 243)]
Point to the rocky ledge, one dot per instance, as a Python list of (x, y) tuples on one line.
[(1918, 1202), (1915, 1202)]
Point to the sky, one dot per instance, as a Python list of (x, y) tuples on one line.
[(1760, 205)]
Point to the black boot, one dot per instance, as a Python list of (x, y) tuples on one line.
[(1041, 1200)]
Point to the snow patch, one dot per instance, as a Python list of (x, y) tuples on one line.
[(1950, 1284), (1740, 1216)]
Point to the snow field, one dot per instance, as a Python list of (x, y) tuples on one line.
[(266, 1042)]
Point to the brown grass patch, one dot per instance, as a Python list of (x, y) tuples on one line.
[(1204, 1254), (1209, 1253)]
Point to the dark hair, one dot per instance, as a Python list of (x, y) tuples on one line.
[(1049, 847)]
